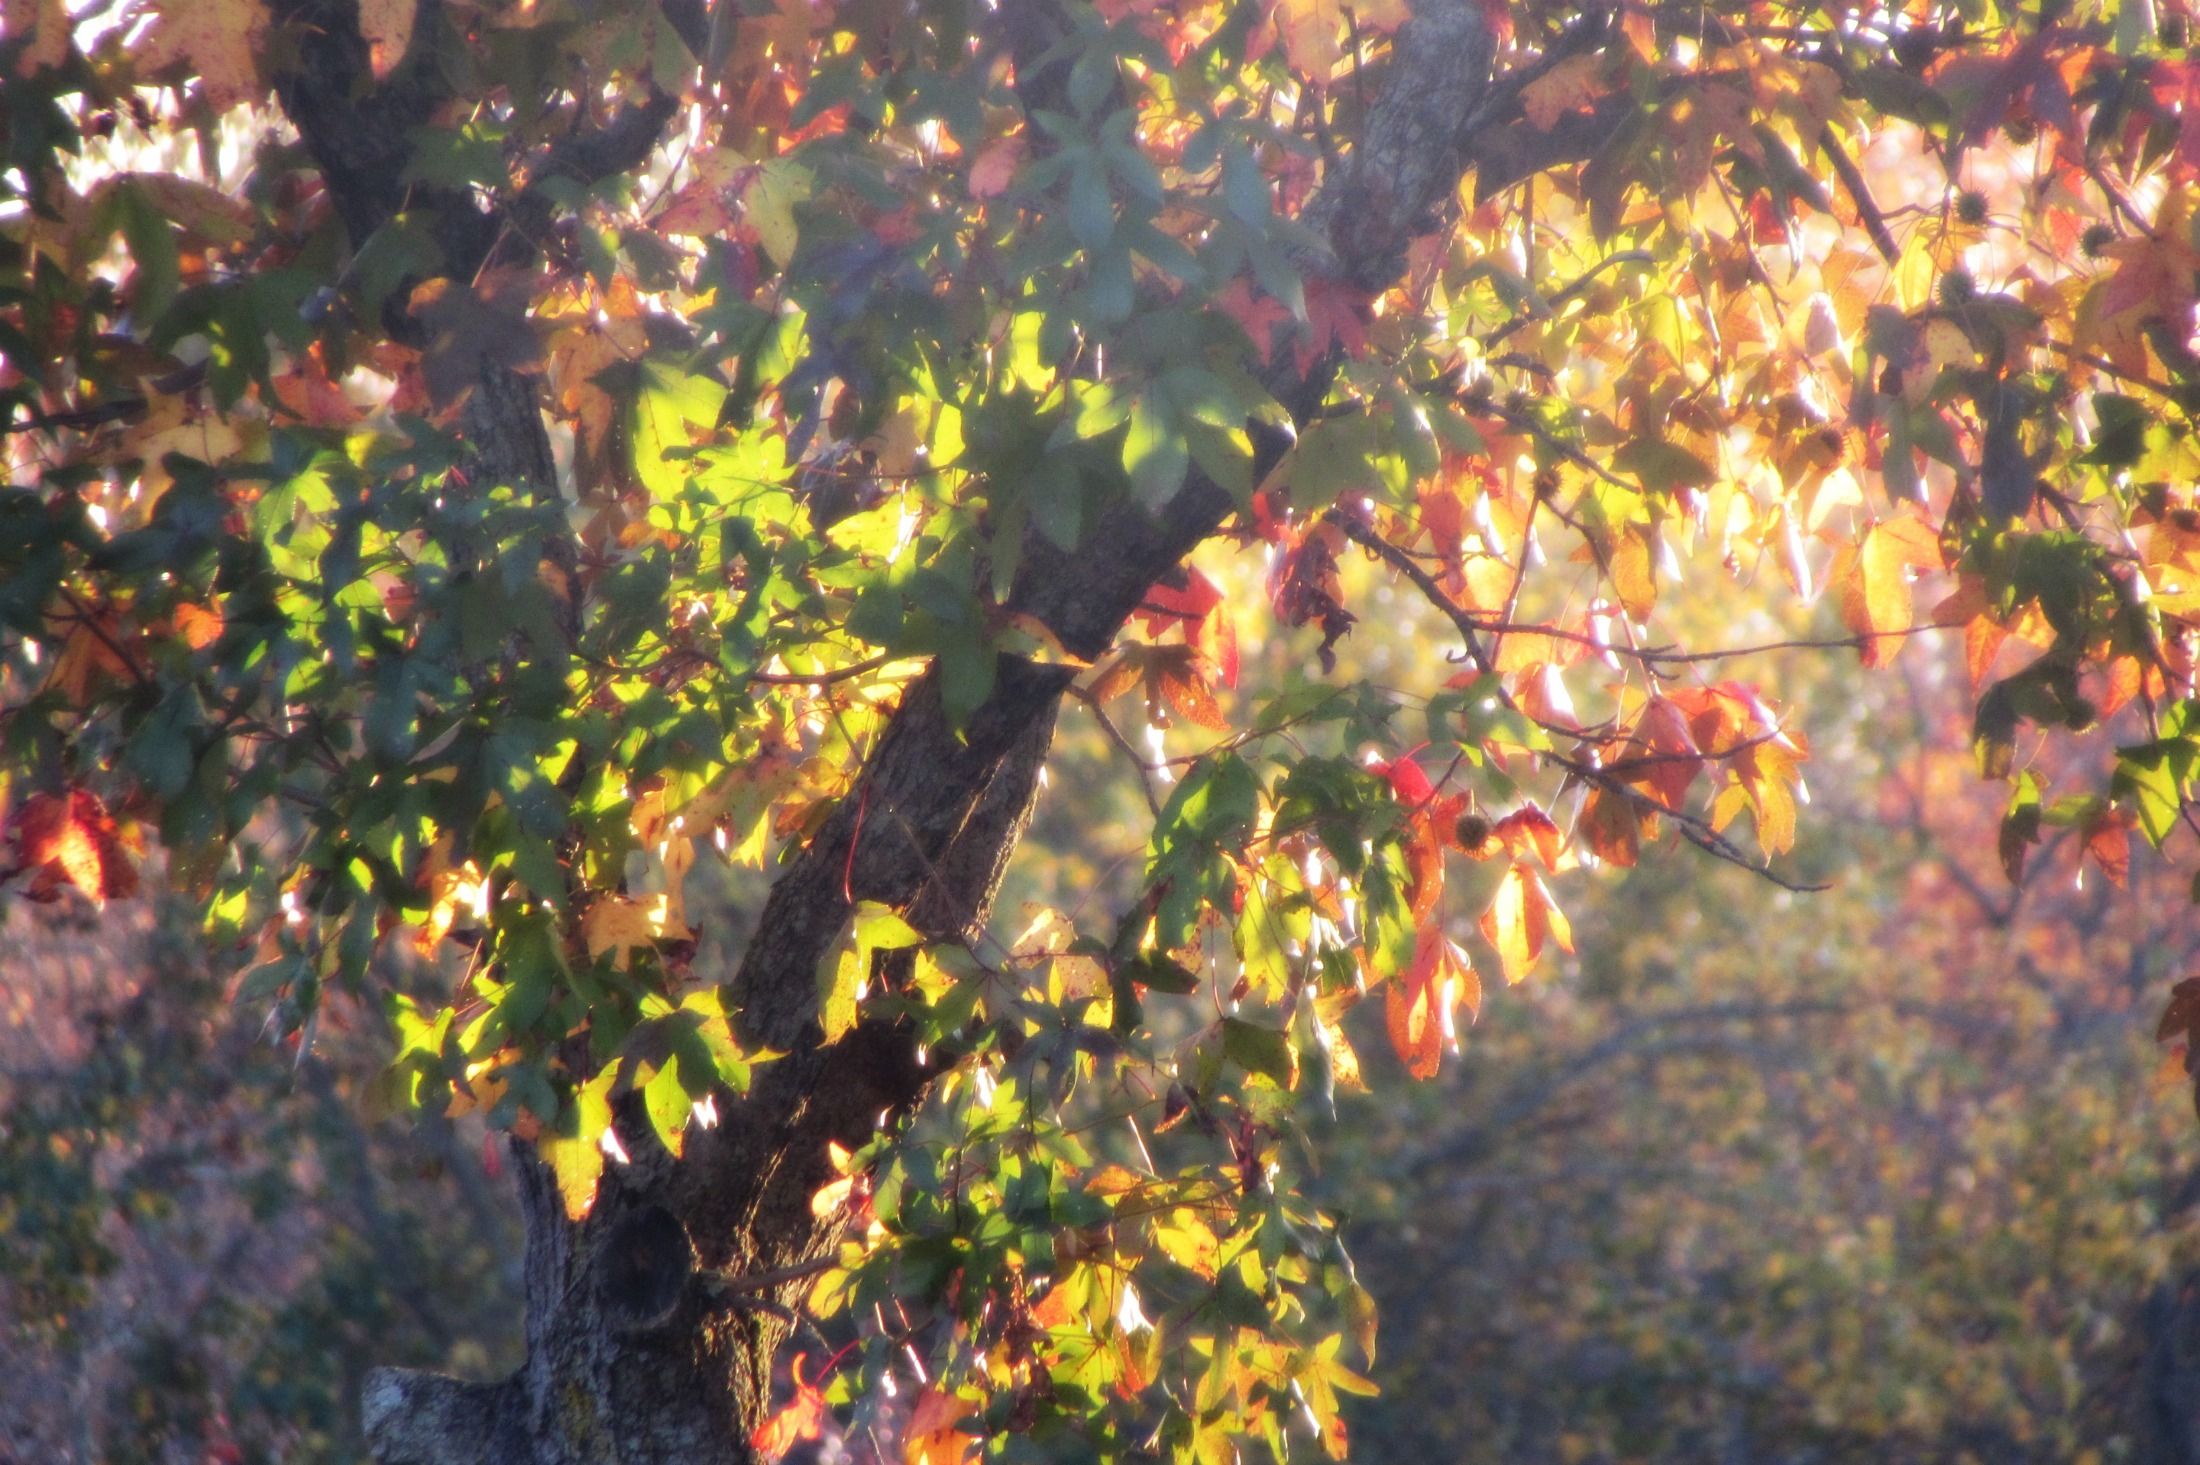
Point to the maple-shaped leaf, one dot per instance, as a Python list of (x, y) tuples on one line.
[(2108, 842), (1614, 828), (1767, 778), (1336, 317), (1528, 830), (1188, 600), (1567, 87), (995, 166), (1257, 313), (616, 924), (932, 1436), (1312, 31), (575, 1147), (1873, 581), (1176, 683), (1666, 756), (1521, 919), (71, 839), (1418, 1009), (473, 328), (800, 1418)]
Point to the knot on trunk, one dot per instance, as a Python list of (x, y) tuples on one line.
[(643, 1268)]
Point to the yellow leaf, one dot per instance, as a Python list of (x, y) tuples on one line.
[(1521, 919), (1875, 582), (1632, 578), (617, 924), (574, 1149), (1312, 31)]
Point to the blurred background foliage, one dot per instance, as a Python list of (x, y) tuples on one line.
[(1888, 1172)]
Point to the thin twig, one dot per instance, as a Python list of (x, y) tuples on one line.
[(1860, 194)]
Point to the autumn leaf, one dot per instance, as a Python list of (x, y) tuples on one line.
[(1176, 684), (2108, 843), (1612, 827), (800, 1418), (1632, 576), (1667, 757), (995, 166), (1567, 87), (1418, 1009), (574, 1147), (1528, 830), (46, 24), (1521, 919), (932, 1436), (616, 924), (71, 839), (1312, 31), (1873, 582)]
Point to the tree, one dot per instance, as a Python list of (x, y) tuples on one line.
[(520, 451)]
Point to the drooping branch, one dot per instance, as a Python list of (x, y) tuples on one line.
[(1694, 828)]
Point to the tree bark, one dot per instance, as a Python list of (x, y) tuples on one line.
[(630, 1356)]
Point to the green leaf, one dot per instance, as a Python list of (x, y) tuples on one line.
[(1662, 466), (844, 972), (1155, 453), (1260, 1050), (668, 403)]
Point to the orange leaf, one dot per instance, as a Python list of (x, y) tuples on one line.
[(1632, 578), (1174, 679), (801, 1418), (995, 167), (200, 626), (1669, 759), (1521, 919), (1528, 829), (1418, 1009), (71, 838), (1614, 828), (931, 1437)]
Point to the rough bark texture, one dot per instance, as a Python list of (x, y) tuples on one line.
[(629, 1356)]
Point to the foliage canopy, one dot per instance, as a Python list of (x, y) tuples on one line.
[(478, 462)]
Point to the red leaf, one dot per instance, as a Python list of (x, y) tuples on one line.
[(2108, 841), (1418, 1010), (1528, 829), (995, 167), (802, 1418), (72, 839)]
